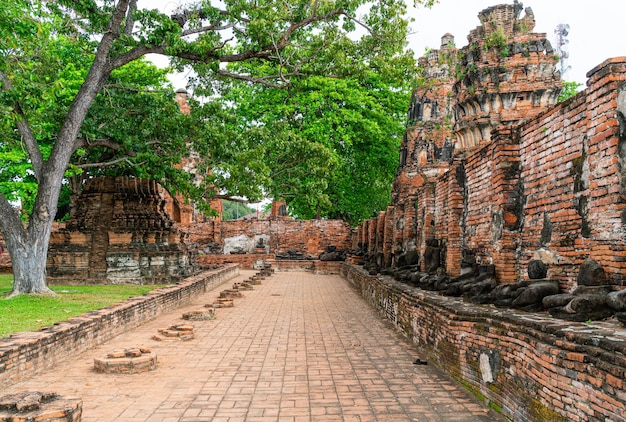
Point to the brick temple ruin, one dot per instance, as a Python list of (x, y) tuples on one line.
[(127, 230), (119, 232), (495, 176), (495, 179), (503, 196)]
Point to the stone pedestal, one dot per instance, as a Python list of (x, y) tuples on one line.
[(176, 332), (128, 361)]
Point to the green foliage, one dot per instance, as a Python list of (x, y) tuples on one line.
[(330, 146), (29, 313), (569, 90), (497, 39), (77, 100), (133, 128), (234, 210), (123, 133)]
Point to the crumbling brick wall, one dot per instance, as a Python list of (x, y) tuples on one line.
[(527, 178), (118, 233), (571, 164), (531, 369), (310, 237), (551, 188)]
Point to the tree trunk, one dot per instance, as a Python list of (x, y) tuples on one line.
[(28, 258), (29, 247)]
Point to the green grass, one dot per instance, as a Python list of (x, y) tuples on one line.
[(30, 312)]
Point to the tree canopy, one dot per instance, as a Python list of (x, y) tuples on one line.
[(235, 210), (330, 145), (77, 98)]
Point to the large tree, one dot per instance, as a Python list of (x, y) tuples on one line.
[(330, 144), (295, 37)]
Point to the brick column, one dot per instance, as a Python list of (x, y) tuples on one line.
[(387, 248), (606, 139), (508, 198), (371, 236), (456, 208), (425, 217)]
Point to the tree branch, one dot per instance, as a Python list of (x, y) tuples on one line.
[(127, 88), (109, 163), (183, 17), (104, 143), (231, 199), (134, 54), (358, 22), (25, 132), (130, 20), (213, 27), (98, 73), (263, 80)]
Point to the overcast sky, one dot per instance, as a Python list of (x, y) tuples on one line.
[(597, 28)]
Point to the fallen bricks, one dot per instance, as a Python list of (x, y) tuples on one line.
[(221, 302), (199, 315), (40, 406), (175, 333), (230, 294), (127, 361), (242, 286), (225, 299)]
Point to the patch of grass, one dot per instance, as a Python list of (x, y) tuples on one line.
[(30, 312)]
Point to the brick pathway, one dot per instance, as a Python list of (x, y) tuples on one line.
[(300, 347)]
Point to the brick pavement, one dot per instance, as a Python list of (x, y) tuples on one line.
[(300, 347)]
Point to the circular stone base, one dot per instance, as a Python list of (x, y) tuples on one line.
[(199, 315), (37, 406), (128, 361)]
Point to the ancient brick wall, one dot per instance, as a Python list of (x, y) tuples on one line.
[(309, 237), (572, 167), (492, 215), (25, 354), (531, 368), (551, 188), (498, 173), (119, 233)]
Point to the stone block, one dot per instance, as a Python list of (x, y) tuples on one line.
[(36, 406)]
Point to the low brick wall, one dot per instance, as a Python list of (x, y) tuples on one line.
[(245, 260), (313, 266), (529, 366), (25, 354)]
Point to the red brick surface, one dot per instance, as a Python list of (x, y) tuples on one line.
[(543, 369), (527, 179), (25, 354), (311, 237)]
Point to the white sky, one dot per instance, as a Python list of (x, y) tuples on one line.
[(597, 28)]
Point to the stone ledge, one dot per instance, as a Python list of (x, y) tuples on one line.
[(25, 354), (538, 365)]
